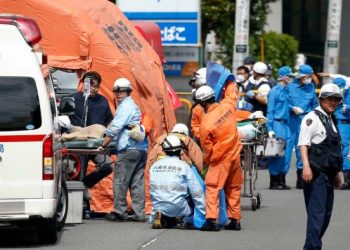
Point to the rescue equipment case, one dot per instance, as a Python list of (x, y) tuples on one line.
[(272, 147)]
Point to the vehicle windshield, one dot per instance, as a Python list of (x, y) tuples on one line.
[(19, 104), (65, 79)]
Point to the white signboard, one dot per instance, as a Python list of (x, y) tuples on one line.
[(241, 49), (159, 5), (331, 53), (181, 54)]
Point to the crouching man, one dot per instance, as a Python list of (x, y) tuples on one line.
[(174, 189)]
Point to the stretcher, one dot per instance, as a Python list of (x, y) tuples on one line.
[(249, 161), (256, 147), (75, 149)]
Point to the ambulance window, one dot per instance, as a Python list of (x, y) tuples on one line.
[(66, 79), (51, 93), (19, 104)]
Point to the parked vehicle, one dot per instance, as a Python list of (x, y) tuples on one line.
[(32, 190)]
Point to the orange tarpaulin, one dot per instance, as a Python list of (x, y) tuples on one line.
[(95, 35)]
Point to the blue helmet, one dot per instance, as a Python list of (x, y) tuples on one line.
[(304, 70), (284, 71), (340, 82)]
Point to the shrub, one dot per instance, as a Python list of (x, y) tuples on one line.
[(279, 49)]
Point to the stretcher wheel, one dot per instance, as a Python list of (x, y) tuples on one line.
[(258, 200), (71, 166), (254, 203)]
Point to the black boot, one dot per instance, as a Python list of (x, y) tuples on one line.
[(283, 182), (346, 184), (275, 182), (210, 225), (233, 225), (299, 184)]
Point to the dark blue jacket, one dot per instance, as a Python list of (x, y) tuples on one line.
[(99, 111)]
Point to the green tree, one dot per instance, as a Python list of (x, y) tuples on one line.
[(219, 15), (280, 49)]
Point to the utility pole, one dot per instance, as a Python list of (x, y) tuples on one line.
[(241, 42), (331, 52)]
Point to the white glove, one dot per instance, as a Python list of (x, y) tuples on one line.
[(101, 149), (343, 110), (271, 134), (298, 111), (64, 122), (136, 133), (250, 94)]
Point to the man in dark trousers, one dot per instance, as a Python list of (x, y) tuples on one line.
[(320, 148), (99, 112)]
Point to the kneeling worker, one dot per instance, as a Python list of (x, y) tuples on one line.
[(174, 188)]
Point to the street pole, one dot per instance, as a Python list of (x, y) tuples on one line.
[(241, 42), (331, 52)]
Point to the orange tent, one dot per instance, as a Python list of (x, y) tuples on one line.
[(95, 35)]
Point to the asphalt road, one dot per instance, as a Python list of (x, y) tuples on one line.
[(278, 224)]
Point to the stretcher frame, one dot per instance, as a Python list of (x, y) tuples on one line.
[(86, 147), (249, 163)]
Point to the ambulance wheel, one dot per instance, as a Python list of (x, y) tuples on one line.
[(258, 200), (62, 206), (254, 203)]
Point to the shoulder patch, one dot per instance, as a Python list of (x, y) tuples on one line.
[(308, 122)]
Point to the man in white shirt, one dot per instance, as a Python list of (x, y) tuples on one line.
[(320, 148), (258, 88)]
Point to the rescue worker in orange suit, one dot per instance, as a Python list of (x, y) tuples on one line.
[(191, 154), (198, 80), (197, 111), (221, 145)]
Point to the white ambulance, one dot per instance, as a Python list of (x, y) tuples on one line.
[(32, 190)]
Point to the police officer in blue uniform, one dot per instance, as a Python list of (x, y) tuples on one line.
[(320, 148), (342, 115), (302, 99), (278, 118)]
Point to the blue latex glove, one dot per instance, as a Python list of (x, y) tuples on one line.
[(344, 109), (250, 94)]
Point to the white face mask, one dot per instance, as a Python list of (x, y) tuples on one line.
[(240, 78), (307, 81), (290, 80)]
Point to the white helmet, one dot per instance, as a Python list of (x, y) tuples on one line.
[(64, 121), (200, 77), (172, 143), (201, 73), (204, 93), (122, 84), (330, 90), (198, 82), (260, 68), (180, 128)]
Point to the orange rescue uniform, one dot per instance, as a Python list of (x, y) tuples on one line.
[(221, 144), (197, 112)]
